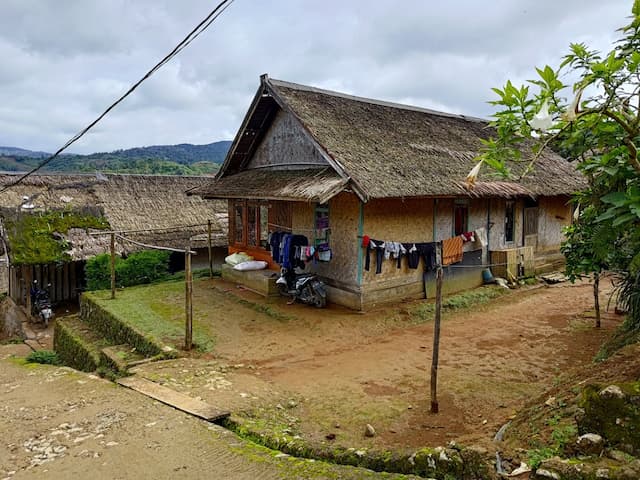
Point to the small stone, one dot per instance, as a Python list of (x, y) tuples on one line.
[(111, 444), (612, 391), (330, 436), (244, 395), (336, 425), (542, 473), (551, 401), (602, 473), (590, 444), (292, 404), (369, 431)]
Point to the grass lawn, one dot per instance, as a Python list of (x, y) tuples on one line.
[(158, 310)]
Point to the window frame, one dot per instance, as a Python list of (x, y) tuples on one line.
[(510, 205), (460, 205), (246, 206)]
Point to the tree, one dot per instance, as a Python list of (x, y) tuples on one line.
[(594, 120)]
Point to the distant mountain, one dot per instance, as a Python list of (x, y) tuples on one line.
[(183, 159), (21, 152)]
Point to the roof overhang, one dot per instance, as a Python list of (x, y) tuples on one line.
[(300, 185)]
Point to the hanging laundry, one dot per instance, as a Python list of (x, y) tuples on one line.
[(378, 246), (452, 250), (274, 245), (402, 252), (413, 256), (468, 237), (428, 253)]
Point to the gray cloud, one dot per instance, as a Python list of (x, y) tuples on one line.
[(65, 61)]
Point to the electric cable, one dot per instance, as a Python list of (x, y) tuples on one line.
[(201, 27)]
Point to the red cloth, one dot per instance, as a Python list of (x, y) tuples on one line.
[(468, 237), (365, 240)]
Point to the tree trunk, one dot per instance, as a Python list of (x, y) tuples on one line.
[(596, 296)]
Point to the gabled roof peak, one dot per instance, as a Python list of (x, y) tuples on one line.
[(307, 88)]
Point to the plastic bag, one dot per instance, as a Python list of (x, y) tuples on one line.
[(236, 258), (251, 265)]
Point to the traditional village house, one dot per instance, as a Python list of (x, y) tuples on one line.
[(125, 203), (341, 169)]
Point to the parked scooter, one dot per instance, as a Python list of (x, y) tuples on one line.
[(41, 303), (306, 287)]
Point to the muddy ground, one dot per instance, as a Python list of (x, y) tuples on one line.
[(325, 374)]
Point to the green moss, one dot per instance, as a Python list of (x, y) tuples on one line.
[(616, 419), (31, 235), (75, 346)]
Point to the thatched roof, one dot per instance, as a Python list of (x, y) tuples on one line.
[(128, 202), (311, 184), (383, 149)]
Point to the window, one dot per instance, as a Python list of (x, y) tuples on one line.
[(250, 224), (509, 222), (460, 218)]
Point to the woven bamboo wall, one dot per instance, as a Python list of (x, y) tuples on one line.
[(344, 215)]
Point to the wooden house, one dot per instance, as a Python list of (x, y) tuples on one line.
[(86, 203), (371, 169)]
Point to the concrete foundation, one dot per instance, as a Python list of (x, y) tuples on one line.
[(259, 281)]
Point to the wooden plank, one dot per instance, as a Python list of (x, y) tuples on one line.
[(65, 281), (174, 399)]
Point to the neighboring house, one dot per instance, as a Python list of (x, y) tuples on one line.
[(389, 172), (47, 221)]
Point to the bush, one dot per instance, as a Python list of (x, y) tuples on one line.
[(138, 268), (46, 357)]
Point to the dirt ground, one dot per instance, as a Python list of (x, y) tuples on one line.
[(325, 374), (57, 423)]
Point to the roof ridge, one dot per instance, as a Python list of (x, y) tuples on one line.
[(308, 88)]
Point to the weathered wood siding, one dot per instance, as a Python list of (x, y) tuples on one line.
[(286, 144), (554, 215)]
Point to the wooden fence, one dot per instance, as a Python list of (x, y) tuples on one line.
[(67, 280)]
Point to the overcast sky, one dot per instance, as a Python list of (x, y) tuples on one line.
[(64, 61)]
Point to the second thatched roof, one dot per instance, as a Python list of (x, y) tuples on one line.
[(129, 203)]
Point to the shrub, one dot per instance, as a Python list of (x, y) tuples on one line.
[(46, 357), (138, 268)]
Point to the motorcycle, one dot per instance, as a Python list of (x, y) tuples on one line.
[(306, 287), (41, 303)]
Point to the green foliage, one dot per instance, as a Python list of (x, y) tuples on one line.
[(596, 123), (46, 357), (470, 298), (138, 268), (31, 236)]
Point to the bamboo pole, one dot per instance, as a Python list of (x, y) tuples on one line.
[(436, 335), (210, 251), (113, 266), (188, 300)]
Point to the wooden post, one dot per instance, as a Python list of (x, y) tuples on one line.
[(188, 281), (26, 275), (210, 253), (596, 296), (113, 266), (436, 335)]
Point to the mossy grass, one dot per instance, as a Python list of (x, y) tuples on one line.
[(31, 235)]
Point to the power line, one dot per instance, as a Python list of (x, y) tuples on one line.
[(201, 27)]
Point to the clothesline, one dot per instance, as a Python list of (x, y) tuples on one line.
[(290, 229)]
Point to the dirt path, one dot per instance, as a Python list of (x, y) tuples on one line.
[(57, 423), (347, 369)]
